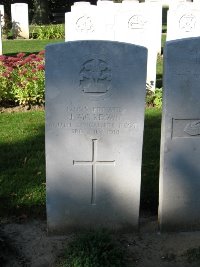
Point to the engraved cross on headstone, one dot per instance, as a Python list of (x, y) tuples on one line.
[(94, 162)]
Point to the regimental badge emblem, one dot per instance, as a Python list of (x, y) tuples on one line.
[(187, 23), (193, 128), (136, 22), (95, 77), (85, 24)]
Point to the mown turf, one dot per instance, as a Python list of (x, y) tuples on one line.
[(12, 47), (22, 164)]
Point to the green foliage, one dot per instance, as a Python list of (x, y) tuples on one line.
[(7, 28), (94, 249), (48, 32), (22, 79), (154, 99)]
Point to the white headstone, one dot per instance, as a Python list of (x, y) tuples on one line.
[(179, 200), (106, 20), (136, 25), (81, 22), (183, 21), (95, 98), (2, 15), (19, 13), (128, 21)]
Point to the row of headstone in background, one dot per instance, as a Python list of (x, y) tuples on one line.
[(129, 21), (94, 128)]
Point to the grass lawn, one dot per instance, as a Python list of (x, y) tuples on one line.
[(11, 47), (22, 163)]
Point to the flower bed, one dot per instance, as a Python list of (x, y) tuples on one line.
[(22, 79)]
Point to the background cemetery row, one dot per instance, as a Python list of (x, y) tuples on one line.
[(129, 21)]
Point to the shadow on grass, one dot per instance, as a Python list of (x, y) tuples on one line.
[(26, 53), (22, 175), (150, 162), (159, 83)]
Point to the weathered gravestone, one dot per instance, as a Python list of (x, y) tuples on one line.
[(20, 21), (95, 96), (179, 202)]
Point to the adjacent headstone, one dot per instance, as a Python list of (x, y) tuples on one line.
[(107, 11), (179, 202), (128, 21), (2, 15), (136, 25), (81, 22), (95, 98), (20, 23), (183, 21)]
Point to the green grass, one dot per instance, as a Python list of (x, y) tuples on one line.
[(11, 47), (94, 249), (192, 255), (22, 163)]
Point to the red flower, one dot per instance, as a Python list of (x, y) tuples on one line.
[(41, 67), (2, 58), (41, 52), (5, 74), (32, 56), (23, 72), (20, 55), (10, 69)]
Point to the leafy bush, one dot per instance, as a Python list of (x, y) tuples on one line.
[(94, 249), (154, 99), (22, 79), (48, 32)]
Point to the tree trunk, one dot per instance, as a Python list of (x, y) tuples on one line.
[(41, 12)]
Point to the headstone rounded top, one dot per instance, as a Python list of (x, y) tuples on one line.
[(131, 1), (81, 3)]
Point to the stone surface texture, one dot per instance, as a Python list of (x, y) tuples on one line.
[(95, 98), (179, 202)]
